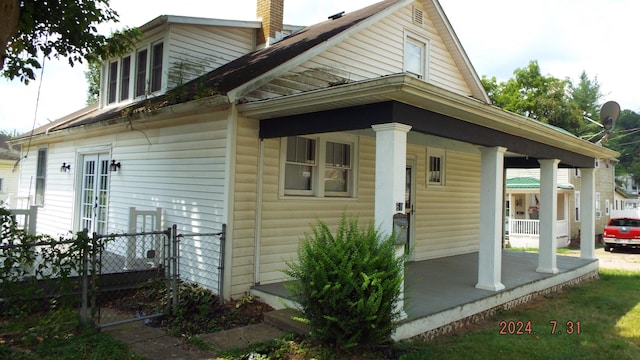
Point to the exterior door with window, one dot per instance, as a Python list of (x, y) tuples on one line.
[(94, 193), (409, 206)]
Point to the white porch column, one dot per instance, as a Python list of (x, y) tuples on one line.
[(491, 219), (391, 163), (588, 214), (547, 258)]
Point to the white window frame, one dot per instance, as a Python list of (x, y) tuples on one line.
[(130, 93), (121, 78), (112, 80), (423, 44), (313, 163), (41, 176), (319, 167), (441, 154), (598, 209)]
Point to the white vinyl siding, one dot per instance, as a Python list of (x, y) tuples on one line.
[(447, 218), (379, 50), (180, 169), (195, 50), (55, 216), (244, 206), (286, 219)]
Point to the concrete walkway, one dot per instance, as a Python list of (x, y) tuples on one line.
[(154, 343)]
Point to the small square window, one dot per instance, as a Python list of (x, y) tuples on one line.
[(435, 167)]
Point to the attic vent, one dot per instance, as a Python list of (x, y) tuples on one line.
[(418, 16), (336, 16)]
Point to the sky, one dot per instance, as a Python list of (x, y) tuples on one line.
[(566, 37)]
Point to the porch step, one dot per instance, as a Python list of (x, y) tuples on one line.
[(283, 320)]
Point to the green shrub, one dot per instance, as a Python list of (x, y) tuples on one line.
[(347, 284)]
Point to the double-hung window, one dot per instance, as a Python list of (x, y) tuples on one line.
[(156, 67), (141, 72), (41, 173), (319, 166), (113, 82), (337, 169), (125, 78), (416, 51), (300, 165)]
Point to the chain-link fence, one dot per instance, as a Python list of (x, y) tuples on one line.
[(113, 279), (134, 277)]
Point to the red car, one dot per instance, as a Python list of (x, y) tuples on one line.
[(622, 233)]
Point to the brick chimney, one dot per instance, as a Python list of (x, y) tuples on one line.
[(270, 12)]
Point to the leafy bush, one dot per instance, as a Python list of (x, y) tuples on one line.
[(26, 260), (347, 284)]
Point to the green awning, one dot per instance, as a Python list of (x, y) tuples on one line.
[(531, 183)]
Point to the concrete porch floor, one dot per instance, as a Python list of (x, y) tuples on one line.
[(440, 294)]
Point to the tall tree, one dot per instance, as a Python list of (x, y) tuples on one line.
[(543, 98), (93, 79), (30, 29), (586, 94)]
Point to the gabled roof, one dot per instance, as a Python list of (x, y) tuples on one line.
[(248, 72), (530, 183), (250, 68), (5, 151)]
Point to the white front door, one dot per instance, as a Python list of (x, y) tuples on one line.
[(94, 193)]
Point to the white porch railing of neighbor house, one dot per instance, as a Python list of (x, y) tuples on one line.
[(524, 227), (532, 227)]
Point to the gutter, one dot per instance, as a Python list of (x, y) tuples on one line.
[(407, 89)]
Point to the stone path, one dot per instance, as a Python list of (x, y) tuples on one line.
[(154, 343)]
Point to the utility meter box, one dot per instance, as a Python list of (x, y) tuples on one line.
[(400, 228)]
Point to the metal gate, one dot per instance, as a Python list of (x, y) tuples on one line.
[(120, 273), (125, 263)]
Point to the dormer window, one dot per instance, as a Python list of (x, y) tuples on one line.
[(113, 82), (138, 74), (156, 67), (125, 78), (141, 72)]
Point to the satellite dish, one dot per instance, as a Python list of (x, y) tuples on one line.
[(609, 113)]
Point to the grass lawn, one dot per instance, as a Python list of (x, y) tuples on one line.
[(597, 320), (603, 319)]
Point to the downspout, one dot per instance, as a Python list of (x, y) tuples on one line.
[(258, 237)]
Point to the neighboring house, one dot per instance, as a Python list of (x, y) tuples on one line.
[(625, 204), (8, 172), (370, 113), (628, 184), (523, 204)]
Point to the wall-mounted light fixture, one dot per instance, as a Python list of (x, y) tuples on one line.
[(65, 167), (115, 166)]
